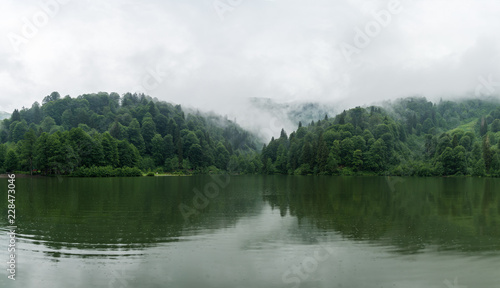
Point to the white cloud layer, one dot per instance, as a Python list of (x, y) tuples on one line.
[(214, 54)]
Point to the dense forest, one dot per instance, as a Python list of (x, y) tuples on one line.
[(410, 137), (107, 135), (111, 135)]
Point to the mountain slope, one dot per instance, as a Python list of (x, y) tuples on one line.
[(411, 136), (65, 134)]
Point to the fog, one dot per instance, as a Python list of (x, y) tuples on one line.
[(217, 55)]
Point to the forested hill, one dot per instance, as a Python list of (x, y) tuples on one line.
[(408, 137), (111, 135), (65, 134)]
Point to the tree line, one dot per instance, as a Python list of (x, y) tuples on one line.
[(76, 136), (411, 136), (105, 134)]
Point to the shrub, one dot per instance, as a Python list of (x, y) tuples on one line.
[(106, 171)]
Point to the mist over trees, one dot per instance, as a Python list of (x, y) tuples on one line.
[(105, 134), (68, 135), (411, 137)]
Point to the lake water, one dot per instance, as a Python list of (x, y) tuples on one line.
[(254, 231)]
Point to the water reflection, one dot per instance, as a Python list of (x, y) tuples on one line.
[(408, 213), (134, 214), (256, 230)]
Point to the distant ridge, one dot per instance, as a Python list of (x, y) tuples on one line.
[(4, 115)]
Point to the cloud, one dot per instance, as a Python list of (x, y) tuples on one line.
[(284, 50)]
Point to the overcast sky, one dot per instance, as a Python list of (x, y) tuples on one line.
[(214, 54)]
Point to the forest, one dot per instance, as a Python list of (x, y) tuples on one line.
[(108, 135), (409, 137), (105, 134)]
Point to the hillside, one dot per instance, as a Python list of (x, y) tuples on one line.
[(111, 135), (410, 136), (64, 135)]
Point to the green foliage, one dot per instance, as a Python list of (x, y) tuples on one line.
[(158, 149), (416, 137), (100, 133), (148, 131), (11, 161), (107, 171), (65, 135), (27, 149)]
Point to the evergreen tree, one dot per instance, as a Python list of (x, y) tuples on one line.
[(159, 149), (479, 168), (3, 154), (332, 164), (16, 116), (346, 151), (19, 130), (307, 156), (222, 157), (357, 160), (495, 126), (27, 150), (281, 160), (128, 154), (118, 131), (169, 146), (47, 124), (487, 153), (135, 137), (11, 161), (196, 156), (322, 156), (110, 150), (148, 131)]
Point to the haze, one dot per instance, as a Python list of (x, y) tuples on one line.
[(215, 55)]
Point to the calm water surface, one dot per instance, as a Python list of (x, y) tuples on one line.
[(255, 231)]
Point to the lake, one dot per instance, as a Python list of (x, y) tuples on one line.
[(254, 231)]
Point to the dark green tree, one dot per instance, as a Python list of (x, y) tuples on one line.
[(11, 161), (110, 150), (222, 156), (27, 150), (357, 160), (47, 124), (148, 131), (322, 156), (196, 156), (487, 153), (135, 137), (495, 126), (19, 130), (159, 149)]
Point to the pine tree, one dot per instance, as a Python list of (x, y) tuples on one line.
[(487, 153), (158, 149), (169, 146), (196, 156), (148, 131), (281, 160), (322, 156), (135, 137), (110, 150), (27, 149), (16, 116), (307, 156)]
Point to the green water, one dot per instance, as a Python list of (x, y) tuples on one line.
[(254, 231)]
